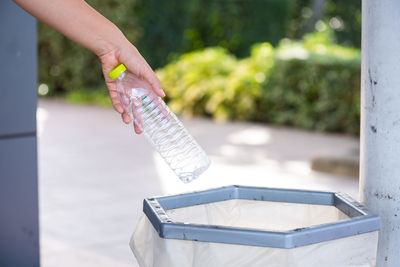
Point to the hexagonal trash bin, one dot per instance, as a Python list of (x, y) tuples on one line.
[(250, 226)]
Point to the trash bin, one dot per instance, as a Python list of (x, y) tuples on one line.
[(252, 226)]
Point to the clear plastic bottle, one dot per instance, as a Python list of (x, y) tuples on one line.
[(160, 126)]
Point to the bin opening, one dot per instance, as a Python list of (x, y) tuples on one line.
[(291, 217), (262, 215)]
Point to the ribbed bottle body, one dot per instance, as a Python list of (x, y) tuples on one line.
[(161, 128), (171, 139)]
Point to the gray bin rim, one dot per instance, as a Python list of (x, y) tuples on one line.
[(360, 219)]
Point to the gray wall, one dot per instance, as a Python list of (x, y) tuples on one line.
[(19, 228)]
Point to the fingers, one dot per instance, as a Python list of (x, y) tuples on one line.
[(152, 78), (126, 118), (115, 99), (137, 129), (137, 65), (137, 114)]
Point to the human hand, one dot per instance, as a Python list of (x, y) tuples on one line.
[(136, 65)]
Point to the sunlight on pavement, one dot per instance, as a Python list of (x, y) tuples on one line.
[(252, 136), (41, 118), (264, 172), (52, 250)]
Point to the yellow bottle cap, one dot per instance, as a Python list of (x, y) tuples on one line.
[(117, 71)]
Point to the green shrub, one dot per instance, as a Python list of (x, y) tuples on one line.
[(312, 84), (242, 87), (196, 80)]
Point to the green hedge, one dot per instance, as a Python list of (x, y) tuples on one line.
[(312, 84)]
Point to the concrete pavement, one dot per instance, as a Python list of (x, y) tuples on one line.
[(94, 173)]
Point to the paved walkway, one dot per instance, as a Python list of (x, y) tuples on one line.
[(94, 173)]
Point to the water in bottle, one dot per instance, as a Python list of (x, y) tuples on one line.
[(160, 126)]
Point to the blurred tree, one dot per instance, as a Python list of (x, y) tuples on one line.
[(179, 26), (317, 11), (343, 16)]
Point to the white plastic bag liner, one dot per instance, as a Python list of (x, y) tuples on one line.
[(153, 251)]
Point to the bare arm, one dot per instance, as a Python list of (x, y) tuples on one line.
[(84, 25), (78, 21)]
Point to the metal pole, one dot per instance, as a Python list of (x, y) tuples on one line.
[(380, 122)]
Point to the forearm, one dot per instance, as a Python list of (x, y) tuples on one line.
[(78, 21)]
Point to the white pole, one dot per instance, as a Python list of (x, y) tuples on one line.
[(380, 122)]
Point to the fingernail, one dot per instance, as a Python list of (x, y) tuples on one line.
[(163, 93)]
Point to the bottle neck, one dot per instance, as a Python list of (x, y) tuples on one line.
[(121, 76)]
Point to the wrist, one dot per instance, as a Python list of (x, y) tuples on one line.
[(111, 40)]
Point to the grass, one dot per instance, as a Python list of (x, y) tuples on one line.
[(94, 97)]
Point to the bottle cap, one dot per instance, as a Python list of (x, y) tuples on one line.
[(117, 71)]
